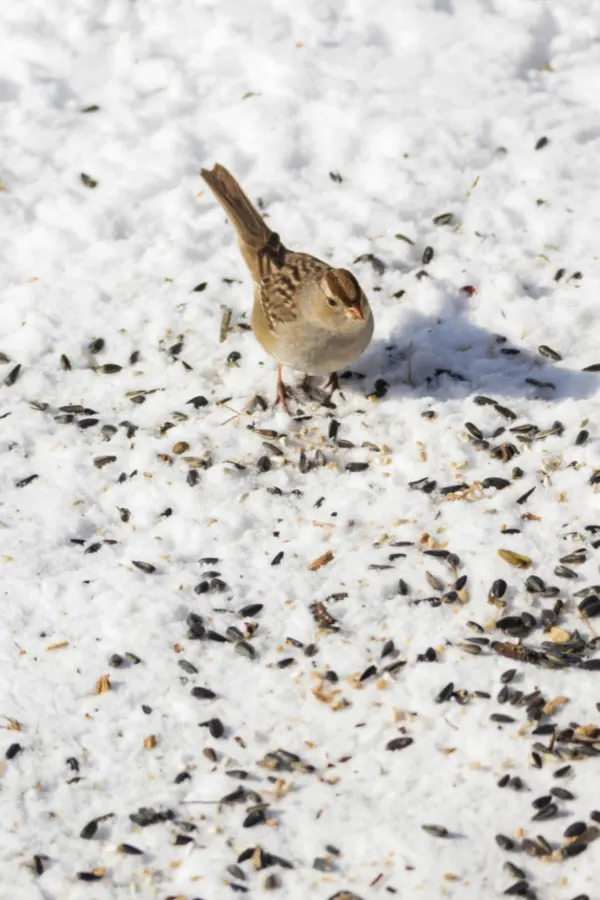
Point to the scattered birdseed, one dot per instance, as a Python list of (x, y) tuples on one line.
[(436, 830), (148, 568), (400, 744)]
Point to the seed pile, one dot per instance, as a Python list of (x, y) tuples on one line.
[(349, 659), (349, 655)]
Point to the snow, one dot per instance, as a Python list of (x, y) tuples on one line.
[(423, 108)]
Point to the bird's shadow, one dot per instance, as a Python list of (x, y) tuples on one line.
[(445, 356)]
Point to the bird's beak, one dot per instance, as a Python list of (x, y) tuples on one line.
[(355, 312)]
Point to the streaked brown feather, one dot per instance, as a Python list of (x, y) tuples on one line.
[(278, 291)]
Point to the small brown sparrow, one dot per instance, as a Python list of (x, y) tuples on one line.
[(307, 315)]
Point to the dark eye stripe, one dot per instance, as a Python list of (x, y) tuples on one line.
[(343, 284)]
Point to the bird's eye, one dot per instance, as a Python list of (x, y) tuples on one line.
[(332, 302)]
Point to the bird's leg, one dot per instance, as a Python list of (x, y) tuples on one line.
[(333, 384), (281, 398)]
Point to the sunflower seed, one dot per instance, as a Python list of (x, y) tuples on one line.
[(549, 352), (436, 830), (498, 589), (505, 843), (498, 483), (399, 744), (565, 572), (356, 466), (573, 849), (534, 585), (443, 219), (96, 346), (547, 812), (519, 889), (505, 412), (12, 376), (148, 568), (108, 369), (201, 693)]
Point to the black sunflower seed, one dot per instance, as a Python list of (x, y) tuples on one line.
[(505, 843), (96, 346), (256, 817), (497, 483), (573, 849), (534, 584), (356, 466), (562, 793), (12, 376), (148, 568), (436, 830), (427, 256), (564, 572), (201, 693), (13, 750), (503, 694), (129, 850), (454, 488), (445, 694), (547, 812), (250, 611), (399, 743), (107, 369), (549, 352), (532, 848), (498, 589), (582, 437), (198, 402), (25, 481), (505, 412), (590, 606), (518, 889), (575, 829), (88, 831)]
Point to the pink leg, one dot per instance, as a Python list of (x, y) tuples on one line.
[(333, 384), (281, 398)]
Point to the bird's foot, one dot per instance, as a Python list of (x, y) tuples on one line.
[(333, 385)]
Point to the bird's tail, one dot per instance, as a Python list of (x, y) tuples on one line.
[(257, 242)]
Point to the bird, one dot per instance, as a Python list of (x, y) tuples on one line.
[(307, 314)]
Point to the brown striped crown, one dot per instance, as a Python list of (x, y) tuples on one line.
[(340, 286), (343, 291)]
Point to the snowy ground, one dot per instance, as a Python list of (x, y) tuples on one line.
[(422, 108)]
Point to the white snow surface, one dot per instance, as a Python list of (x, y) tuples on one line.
[(422, 107)]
